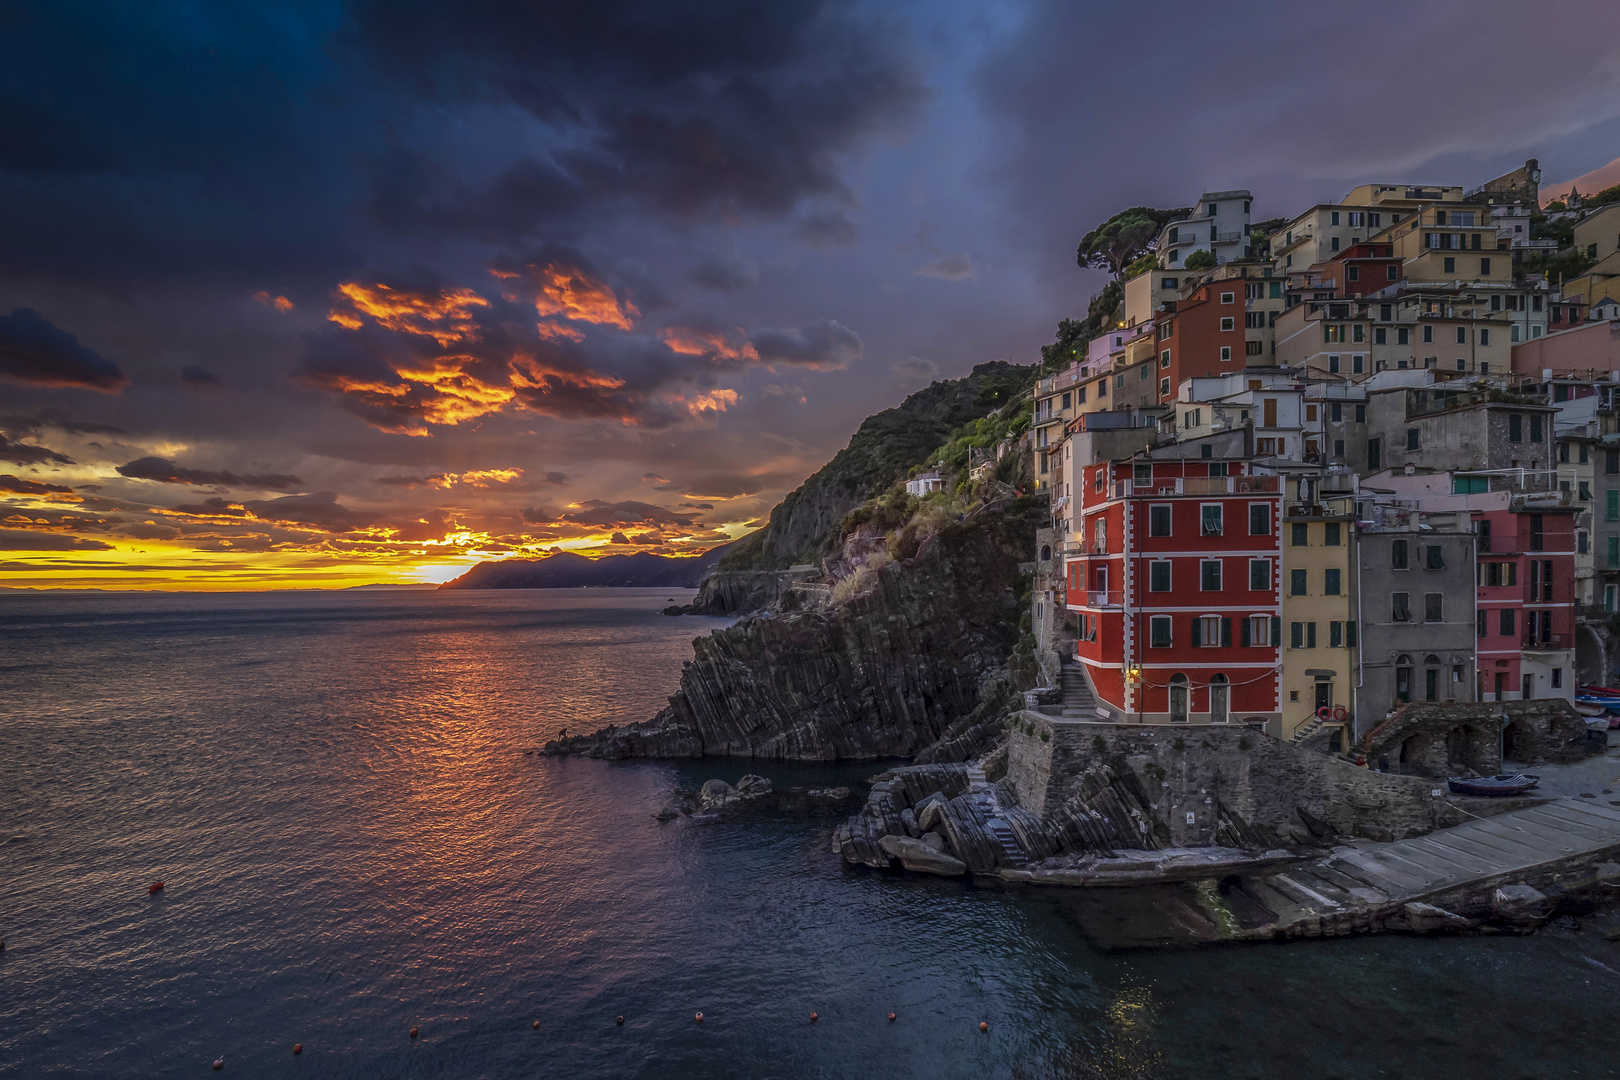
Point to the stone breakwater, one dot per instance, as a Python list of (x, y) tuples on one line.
[(912, 668)]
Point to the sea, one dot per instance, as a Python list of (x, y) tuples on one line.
[(357, 838)]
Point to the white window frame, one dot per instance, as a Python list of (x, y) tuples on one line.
[(1220, 572), (1260, 630), (1228, 323), (1220, 509), (1227, 298)]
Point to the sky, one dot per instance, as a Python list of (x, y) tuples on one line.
[(324, 294)]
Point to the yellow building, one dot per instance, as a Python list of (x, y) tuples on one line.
[(1597, 282), (1054, 408), (1319, 619), (1450, 243), (1598, 233)]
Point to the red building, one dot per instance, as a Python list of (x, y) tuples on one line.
[(1525, 600), (1366, 268), (1202, 336), (1175, 590)]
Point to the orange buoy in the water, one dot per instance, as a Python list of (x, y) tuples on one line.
[(219, 1063), (983, 1026), (298, 1048), (157, 886), (699, 1018), (413, 1033), (812, 1018), (891, 1018), (535, 1025), (620, 1021)]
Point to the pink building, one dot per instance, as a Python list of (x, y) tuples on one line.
[(1593, 346)]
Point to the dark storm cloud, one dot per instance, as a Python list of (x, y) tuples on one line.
[(29, 540), (826, 346), (165, 471), (31, 487), (35, 353), (320, 509), (200, 379), (688, 110), (25, 454), (29, 425), (726, 273), (215, 507)]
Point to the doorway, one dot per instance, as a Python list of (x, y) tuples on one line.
[(1529, 687), (1501, 685), (1324, 694), (1178, 699), (1219, 689)]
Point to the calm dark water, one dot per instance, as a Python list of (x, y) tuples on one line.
[(336, 789)]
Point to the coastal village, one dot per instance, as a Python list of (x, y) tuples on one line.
[(1300, 555), (1322, 468)]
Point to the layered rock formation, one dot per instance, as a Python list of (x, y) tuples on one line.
[(888, 673)]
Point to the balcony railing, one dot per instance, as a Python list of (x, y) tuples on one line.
[(1546, 642), (1104, 598)]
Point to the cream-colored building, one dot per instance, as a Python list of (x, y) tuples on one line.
[(1449, 243), (1447, 328), (1319, 617)]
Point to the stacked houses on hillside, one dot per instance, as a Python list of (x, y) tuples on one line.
[(1364, 460)]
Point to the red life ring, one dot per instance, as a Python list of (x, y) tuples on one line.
[(1324, 713), (1340, 712)]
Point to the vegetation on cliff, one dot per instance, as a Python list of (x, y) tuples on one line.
[(804, 525)]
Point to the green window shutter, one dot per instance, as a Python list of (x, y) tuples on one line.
[(1613, 506), (1244, 634), (1296, 635), (1276, 630), (1350, 634), (1196, 630), (1226, 632), (1614, 552), (1310, 635)]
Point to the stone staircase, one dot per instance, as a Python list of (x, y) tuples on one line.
[(1308, 730), (1000, 833), (1003, 836), (1078, 702)]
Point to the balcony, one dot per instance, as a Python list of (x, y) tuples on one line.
[(1103, 598), (1546, 642)]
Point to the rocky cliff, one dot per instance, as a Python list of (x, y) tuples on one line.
[(882, 450), (912, 664)]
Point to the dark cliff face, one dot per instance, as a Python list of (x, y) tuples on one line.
[(882, 450), (568, 570), (887, 674)]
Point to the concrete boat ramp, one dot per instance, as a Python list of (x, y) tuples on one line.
[(1507, 873)]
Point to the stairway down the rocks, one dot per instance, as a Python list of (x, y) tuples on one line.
[(1077, 698), (1004, 838)]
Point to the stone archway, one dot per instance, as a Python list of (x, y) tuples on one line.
[(1517, 741)]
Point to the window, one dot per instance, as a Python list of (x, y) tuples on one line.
[(1358, 333), (1350, 634), (1253, 348), (1310, 635), (1397, 554), (1471, 485), (1535, 427), (1259, 575), (1484, 337), (1257, 630), (1259, 519), (1296, 582), (1450, 265), (1614, 553), (1170, 282), (1506, 622), (1433, 610), (1217, 468), (1164, 362), (1611, 461), (1398, 609), (1226, 353), (1164, 387), (1210, 517), (1159, 631), (1361, 413), (1611, 505), (1428, 335), (1212, 630), (1353, 273), (1209, 575), (1484, 264), (1158, 521), (1330, 581), (1515, 427), (1557, 677), (1480, 622), (1227, 298), (1335, 635), (1335, 216), (1462, 335), (1403, 679), (1535, 532), (1296, 635), (1333, 364), (1435, 557), (1392, 272), (1330, 533), (1403, 335), (1374, 454), (1335, 412), (1300, 534), (1412, 438), (1380, 336), (1159, 575)]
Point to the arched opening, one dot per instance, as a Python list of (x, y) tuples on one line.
[(1403, 679), (1220, 690), (1431, 678), (1411, 750), (1178, 698), (1046, 553), (1516, 742), (1589, 664)]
